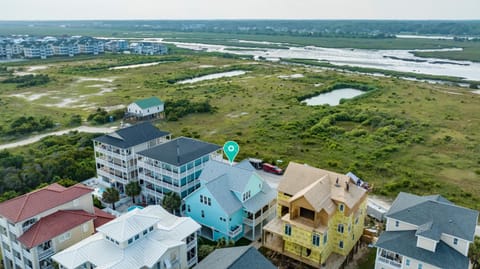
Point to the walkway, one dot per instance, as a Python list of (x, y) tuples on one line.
[(36, 138)]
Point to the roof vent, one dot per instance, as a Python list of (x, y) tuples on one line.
[(347, 186), (336, 183)]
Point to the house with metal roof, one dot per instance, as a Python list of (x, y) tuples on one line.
[(173, 166), (142, 238), (236, 258), (233, 201), (146, 108), (36, 225), (115, 152), (320, 216), (426, 232)]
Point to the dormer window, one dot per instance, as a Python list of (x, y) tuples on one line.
[(397, 223), (455, 241), (341, 207)]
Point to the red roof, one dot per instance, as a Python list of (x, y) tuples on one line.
[(54, 225), (102, 217), (38, 201)]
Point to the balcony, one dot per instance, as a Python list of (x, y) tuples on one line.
[(236, 231), (389, 258), (104, 173), (112, 165), (252, 221), (43, 254)]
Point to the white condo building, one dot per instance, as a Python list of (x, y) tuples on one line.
[(115, 153), (142, 238)]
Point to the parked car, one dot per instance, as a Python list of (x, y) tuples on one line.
[(257, 163), (272, 169)]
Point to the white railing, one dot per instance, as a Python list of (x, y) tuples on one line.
[(42, 254), (235, 232), (112, 165), (390, 262), (253, 222)]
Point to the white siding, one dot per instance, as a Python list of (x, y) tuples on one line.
[(461, 246), (426, 243), (402, 226)]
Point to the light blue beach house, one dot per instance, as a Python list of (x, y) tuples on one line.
[(232, 201)]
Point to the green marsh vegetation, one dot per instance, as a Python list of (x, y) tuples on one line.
[(399, 135)]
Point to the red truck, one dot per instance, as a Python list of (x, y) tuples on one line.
[(272, 169)]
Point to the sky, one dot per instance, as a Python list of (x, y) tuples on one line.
[(238, 9)]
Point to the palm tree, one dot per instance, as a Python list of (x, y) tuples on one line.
[(111, 195), (133, 189), (171, 201)]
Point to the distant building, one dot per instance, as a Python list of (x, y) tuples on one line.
[(115, 152), (148, 48), (66, 48), (38, 50), (232, 201), (174, 166), (146, 108), (320, 215), (424, 232), (43, 222), (142, 238), (246, 257), (88, 45), (117, 46)]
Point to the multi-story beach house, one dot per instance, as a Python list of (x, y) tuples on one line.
[(320, 215), (40, 50), (36, 225), (426, 232), (233, 201), (115, 157), (142, 238), (148, 48), (174, 166)]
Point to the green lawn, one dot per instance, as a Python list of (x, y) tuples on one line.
[(401, 136)]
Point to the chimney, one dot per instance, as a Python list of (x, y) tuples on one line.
[(347, 187)]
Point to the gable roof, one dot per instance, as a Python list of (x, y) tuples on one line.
[(405, 243), (434, 216), (235, 258), (221, 192), (180, 151), (316, 185), (238, 175), (53, 225), (149, 102), (132, 136), (33, 203)]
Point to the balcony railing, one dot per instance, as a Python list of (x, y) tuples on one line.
[(253, 222), (235, 232), (391, 262), (43, 254)]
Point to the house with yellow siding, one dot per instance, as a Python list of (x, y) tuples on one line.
[(319, 214)]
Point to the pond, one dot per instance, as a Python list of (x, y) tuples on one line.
[(213, 76), (332, 98)]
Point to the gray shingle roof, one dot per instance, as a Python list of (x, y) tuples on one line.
[(444, 217), (405, 243), (265, 196), (132, 136), (180, 151), (239, 174), (235, 258), (225, 198)]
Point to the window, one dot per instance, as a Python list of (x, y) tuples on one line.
[(407, 262), (397, 223), (340, 228), (356, 220), (341, 207), (203, 214), (325, 238), (455, 241), (65, 236), (340, 244), (420, 266), (188, 208), (130, 241), (85, 227), (316, 240), (137, 236), (150, 229), (209, 201), (288, 229), (308, 214), (145, 232)]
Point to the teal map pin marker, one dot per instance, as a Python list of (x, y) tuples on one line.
[(231, 148)]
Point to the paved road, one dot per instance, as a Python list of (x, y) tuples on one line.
[(33, 139)]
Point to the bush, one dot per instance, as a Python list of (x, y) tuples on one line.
[(28, 80)]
